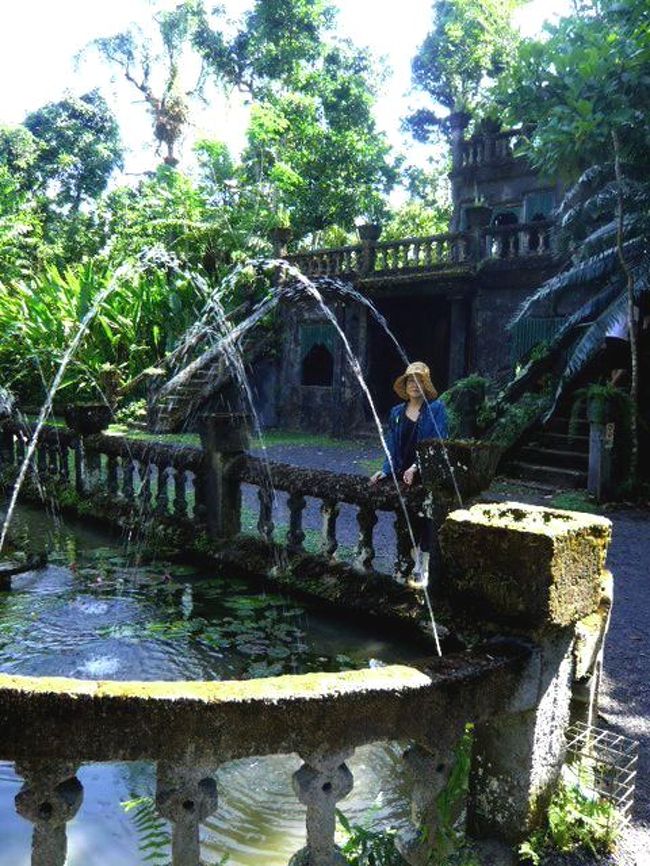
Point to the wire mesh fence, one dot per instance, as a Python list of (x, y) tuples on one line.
[(603, 765)]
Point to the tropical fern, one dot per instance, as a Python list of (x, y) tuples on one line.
[(589, 228), (154, 837)]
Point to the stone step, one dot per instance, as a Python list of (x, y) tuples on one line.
[(564, 478), (554, 457), (562, 442), (561, 424)]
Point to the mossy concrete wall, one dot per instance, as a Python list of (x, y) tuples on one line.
[(525, 566), (45, 719)]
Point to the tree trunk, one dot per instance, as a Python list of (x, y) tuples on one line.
[(629, 278)]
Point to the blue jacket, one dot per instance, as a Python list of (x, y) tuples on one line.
[(432, 424)]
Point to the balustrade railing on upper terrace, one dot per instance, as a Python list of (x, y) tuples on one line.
[(488, 148), (428, 254)]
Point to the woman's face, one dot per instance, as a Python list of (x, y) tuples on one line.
[(413, 387)]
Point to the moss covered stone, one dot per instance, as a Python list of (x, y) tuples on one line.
[(525, 564)]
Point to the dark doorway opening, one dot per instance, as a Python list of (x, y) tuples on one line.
[(317, 367), (421, 325)]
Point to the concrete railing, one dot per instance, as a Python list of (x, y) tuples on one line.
[(185, 484), (430, 253), (532, 574)]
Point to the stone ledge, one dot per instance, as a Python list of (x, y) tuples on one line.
[(211, 722)]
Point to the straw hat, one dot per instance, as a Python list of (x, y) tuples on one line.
[(417, 368)]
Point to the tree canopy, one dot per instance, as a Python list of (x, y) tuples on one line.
[(471, 41)]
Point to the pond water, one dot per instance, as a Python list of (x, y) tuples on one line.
[(93, 613)]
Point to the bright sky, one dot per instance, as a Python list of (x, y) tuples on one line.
[(41, 38)]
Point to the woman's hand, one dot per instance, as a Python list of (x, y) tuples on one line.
[(377, 477), (409, 475)]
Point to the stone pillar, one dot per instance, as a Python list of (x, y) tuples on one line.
[(369, 234), (280, 237), (185, 796), (457, 125), (225, 439), (538, 572), (457, 339), (319, 784), (50, 797), (599, 477)]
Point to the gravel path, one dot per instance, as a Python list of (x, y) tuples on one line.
[(625, 695)]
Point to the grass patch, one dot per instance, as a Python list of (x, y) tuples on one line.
[(576, 500)]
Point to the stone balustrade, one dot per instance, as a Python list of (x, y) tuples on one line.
[(431, 253), (531, 574), (488, 149), (194, 727), (186, 485), (518, 240)]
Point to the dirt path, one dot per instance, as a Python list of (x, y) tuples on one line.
[(625, 696)]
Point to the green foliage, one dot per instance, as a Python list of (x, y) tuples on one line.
[(575, 500), (471, 41), (586, 77), (448, 843), (466, 406), (366, 847), (78, 148), (141, 319), (575, 823), (317, 149), (585, 91), (154, 836), (513, 419)]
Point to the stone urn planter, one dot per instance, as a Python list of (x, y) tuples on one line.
[(473, 464), (280, 237), (478, 216), (369, 231), (87, 418)]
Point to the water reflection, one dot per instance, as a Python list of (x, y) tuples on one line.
[(92, 614)]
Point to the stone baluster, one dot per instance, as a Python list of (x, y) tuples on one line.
[(417, 246), (144, 495), (53, 459), (64, 462), (93, 461), (78, 449), (185, 796), (162, 495), (6, 449), (200, 508), (319, 784), (428, 254), (128, 470), (404, 561), (430, 769), (365, 552), (41, 460), (180, 500), (111, 474), (50, 797), (330, 512), (265, 525), (295, 535)]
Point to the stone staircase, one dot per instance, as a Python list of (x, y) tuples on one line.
[(553, 455)]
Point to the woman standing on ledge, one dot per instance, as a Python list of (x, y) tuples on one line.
[(420, 416)]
